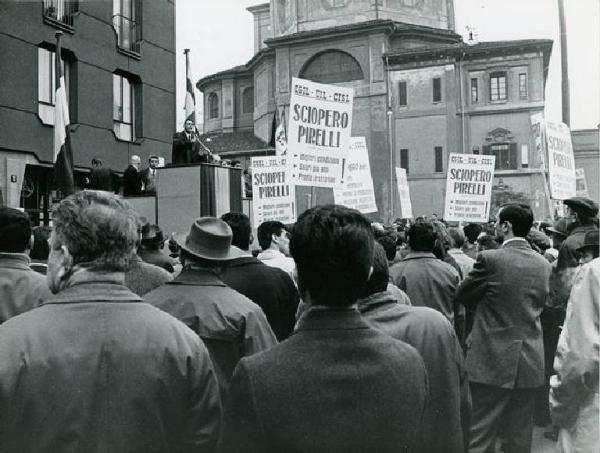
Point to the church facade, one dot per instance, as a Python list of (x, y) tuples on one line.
[(421, 93)]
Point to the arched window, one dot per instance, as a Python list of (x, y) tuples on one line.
[(332, 66), (213, 105), (248, 100)]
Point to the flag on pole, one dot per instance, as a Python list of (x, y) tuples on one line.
[(190, 98), (63, 155), (281, 136)]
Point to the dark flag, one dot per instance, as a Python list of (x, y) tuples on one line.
[(63, 156), (190, 98)]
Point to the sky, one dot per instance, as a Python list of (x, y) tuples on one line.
[(220, 35)]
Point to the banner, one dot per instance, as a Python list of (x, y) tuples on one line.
[(581, 189), (403, 193), (319, 129), (273, 195), (469, 187), (357, 191), (561, 163)]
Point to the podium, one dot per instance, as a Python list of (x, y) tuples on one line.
[(184, 193)]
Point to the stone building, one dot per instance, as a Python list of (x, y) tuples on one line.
[(420, 92), (119, 63)]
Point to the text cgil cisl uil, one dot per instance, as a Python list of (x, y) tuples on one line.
[(470, 182), (315, 120)]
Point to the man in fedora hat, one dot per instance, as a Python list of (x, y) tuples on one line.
[(230, 324)]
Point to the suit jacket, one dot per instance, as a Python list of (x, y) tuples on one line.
[(96, 369), (148, 180), (336, 385), (508, 287), (142, 277), (132, 182), (429, 332), (185, 151), (230, 324), (102, 179), (268, 287)]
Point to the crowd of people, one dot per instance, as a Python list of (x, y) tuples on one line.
[(337, 335)]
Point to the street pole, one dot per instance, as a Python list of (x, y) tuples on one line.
[(564, 63)]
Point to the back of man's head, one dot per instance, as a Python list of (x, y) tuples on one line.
[(422, 236), (380, 276), (472, 231), (98, 228), (388, 242), (520, 217), (240, 226), (15, 230), (333, 249), (266, 230), (457, 237)]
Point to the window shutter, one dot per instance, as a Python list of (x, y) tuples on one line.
[(486, 150), (513, 156)]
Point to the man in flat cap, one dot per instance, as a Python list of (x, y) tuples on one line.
[(230, 324), (581, 214)]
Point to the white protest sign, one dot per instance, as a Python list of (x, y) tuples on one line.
[(273, 195), (319, 129), (561, 163), (469, 187), (581, 189), (357, 191), (404, 193)]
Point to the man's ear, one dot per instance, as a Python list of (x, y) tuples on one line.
[(65, 262), (274, 238), (370, 273), (251, 238)]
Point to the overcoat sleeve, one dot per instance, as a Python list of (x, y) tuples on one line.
[(242, 427), (473, 287), (258, 333), (577, 356)]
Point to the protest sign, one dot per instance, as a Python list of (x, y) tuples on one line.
[(561, 163), (581, 189), (273, 194), (469, 187), (357, 191), (319, 129), (403, 193)]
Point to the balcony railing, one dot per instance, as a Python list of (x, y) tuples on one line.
[(61, 11), (128, 33)]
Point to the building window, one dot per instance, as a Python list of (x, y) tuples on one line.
[(61, 11), (47, 84), (437, 90), (474, 91), (522, 86), (506, 155), (248, 100), (439, 159), (213, 106), (126, 24), (404, 159), (402, 94), (123, 107), (332, 66), (498, 86)]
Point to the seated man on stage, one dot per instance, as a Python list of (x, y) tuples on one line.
[(187, 148)]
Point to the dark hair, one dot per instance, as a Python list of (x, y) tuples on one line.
[(96, 161), (422, 236), (15, 230), (472, 231), (457, 237), (266, 230), (488, 242), (333, 249), (388, 242), (240, 226), (40, 249), (381, 275), (152, 156), (152, 237), (520, 217)]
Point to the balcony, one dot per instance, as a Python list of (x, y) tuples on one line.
[(128, 35), (60, 13)]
